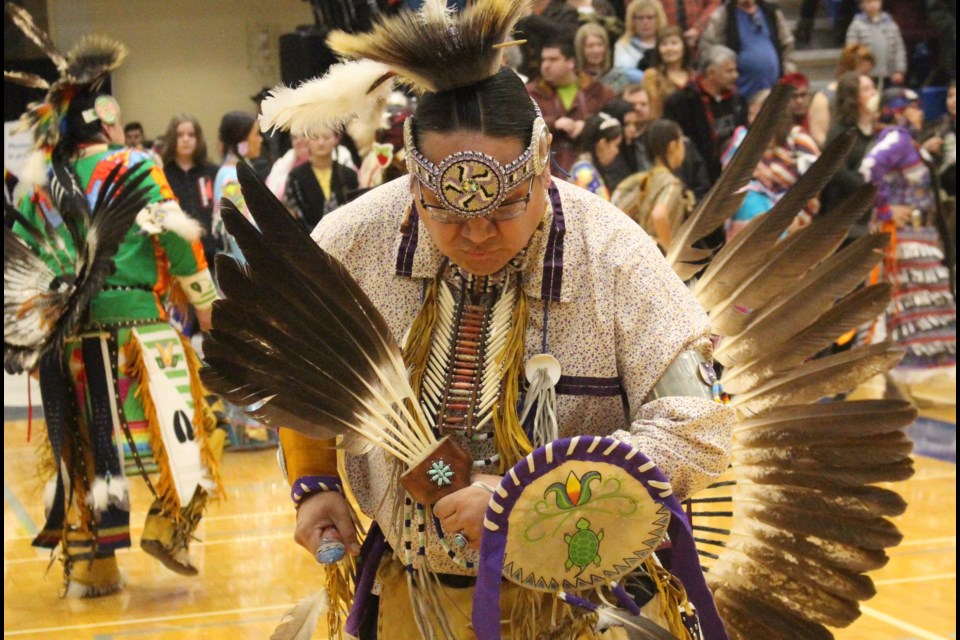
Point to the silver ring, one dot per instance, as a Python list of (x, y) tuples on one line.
[(460, 540)]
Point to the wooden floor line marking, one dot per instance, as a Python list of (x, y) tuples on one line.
[(211, 543), (233, 516), (919, 543), (937, 476), (938, 576), (137, 621), (900, 624)]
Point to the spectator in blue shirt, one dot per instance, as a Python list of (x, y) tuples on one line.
[(757, 32)]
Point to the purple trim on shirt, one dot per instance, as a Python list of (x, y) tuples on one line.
[(308, 485), (553, 258), (408, 244), (370, 555), (588, 386)]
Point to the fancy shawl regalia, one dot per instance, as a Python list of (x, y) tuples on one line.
[(98, 245), (579, 372)]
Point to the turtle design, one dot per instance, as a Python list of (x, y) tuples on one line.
[(582, 547)]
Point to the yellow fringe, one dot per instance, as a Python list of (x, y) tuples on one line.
[(136, 369), (511, 440), (340, 578), (537, 614), (177, 298), (525, 617), (673, 598), (417, 348), (204, 421), (47, 467)]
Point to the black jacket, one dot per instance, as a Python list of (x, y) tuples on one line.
[(710, 131), (305, 198), (194, 191)]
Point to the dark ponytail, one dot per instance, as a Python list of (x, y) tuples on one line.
[(499, 107), (234, 129)]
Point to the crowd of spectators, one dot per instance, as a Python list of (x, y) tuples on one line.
[(646, 101)]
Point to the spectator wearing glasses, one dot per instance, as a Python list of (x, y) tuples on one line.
[(758, 33), (634, 50), (800, 104)]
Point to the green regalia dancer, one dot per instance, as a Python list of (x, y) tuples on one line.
[(84, 306)]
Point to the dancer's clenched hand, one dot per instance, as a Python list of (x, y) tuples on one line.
[(463, 511), (319, 512)]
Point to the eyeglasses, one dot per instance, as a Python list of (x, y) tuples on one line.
[(757, 21), (506, 211)]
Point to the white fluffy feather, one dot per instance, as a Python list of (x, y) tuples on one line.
[(49, 493), (435, 11), (76, 590), (300, 622), (119, 490), (168, 216), (34, 172), (327, 102), (99, 496)]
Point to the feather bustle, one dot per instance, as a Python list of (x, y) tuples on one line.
[(780, 591), (876, 534), (860, 502), (809, 425), (749, 248), (96, 237), (819, 378), (853, 586), (815, 474), (790, 260), (819, 290), (853, 311), (723, 200), (842, 557), (29, 27), (748, 618), (24, 79)]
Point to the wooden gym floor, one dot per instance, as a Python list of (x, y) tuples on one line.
[(251, 571)]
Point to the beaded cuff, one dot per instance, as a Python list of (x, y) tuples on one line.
[(309, 485)]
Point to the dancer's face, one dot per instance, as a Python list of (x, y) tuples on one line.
[(481, 246)]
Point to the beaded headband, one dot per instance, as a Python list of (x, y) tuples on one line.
[(472, 184)]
